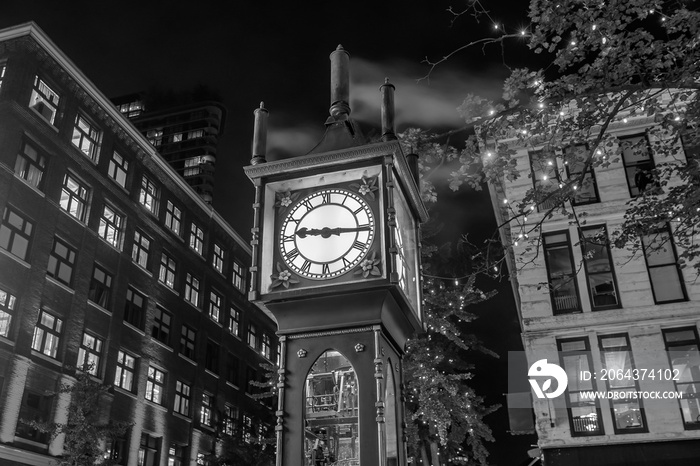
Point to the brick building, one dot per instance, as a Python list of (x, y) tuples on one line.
[(589, 307), (108, 256)]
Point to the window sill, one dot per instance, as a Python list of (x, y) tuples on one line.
[(135, 329), (30, 186), (47, 358), (21, 262), (187, 359), (167, 287), (193, 305), (211, 373), (116, 248), (60, 284), (99, 308), (94, 161), (124, 392), (142, 269), (161, 344), (41, 117), (76, 220), (156, 405), (219, 324), (30, 442), (232, 385), (182, 416), (7, 341)]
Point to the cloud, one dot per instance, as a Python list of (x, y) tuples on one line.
[(292, 140)]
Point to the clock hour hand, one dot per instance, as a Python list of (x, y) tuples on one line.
[(326, 232)]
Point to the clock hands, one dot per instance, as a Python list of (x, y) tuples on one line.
[(326, 232)]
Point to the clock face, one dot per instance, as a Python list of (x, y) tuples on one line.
[(326, 233)]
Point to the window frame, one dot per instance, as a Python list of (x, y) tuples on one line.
[(132, 312), (183, 398), (27, 168), (140, 252), (216, 302), (191, 291), (218, 258), (188, 342), (669, 348), (14, 231), (172, 221), (212, 357), (537, 182), (583, 240), (666, 228), (238, 275), (90, 355), (626, 165), (75, 203), (167, 272), (572, 175), (8, 303), (124, 373), (234, 324), (52, 100), (206, 412), (156, 380), (118, 172), (111, 227), (252, 336), (162, 325), (196, 241), (100, 291), (40, 342), (90, 133), (149, 194), (55, 266), (567, 243)]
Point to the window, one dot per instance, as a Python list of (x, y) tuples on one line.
[(173, 218), (192, 166), (134, 307), (90, 354), (584, 414), (34, 407), (266, 347), (44, 100), (149, 451), (196, 239), (61, 262), (47, 334), (683, 346), (232, 369), (168, 268), (202, 460), (188, 339), (182, 398), (30, 165), (238, 276), (230, 418), (247, 428), (192, 290), (177, 137), (74, 197), (7, 307), (627, 412), (252, 336), (214, 306), (662, 263), (218, 259), (155, 385), (148, 197), (205, 414), (100, 287), (118, 452), (545, 178), (15, 233), (124, 375), (561, 273), (211, 359), (234, 321), (251, 377), (86, 137), (111, 224), (161, 326), (155, 136), (2, 73), (602, 286), (141, 249), (176, 455), (118, 169), (586, 191), (195, 134), (639, 166)]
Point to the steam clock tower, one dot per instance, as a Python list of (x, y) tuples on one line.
[(336, 264)]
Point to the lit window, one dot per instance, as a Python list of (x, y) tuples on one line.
[(149, 451), (155, 385), (15, 233), (86, 137), (584, 414), (545, 178), (124, 375), (7, 307), (197, 239), (205, 414), (74, 197), (230, 418), (90, 354), (37, 407), (148, 197), (176, 455), (44, 100), (141, 249), (111, 225), (662, 263), (161, 326), (188, 339), (173, 218), (585, 191), (234, 321), (266, 347), (683, 346), (252, 336), (218, 259), (134, 307), (602, 285), (118, 169), (168, 268), (117, 452), (61, 262), (638, 163), (247, 428), (177, 137), (561, 273), (195, 134), (202, 460), (214, 306), (155, 136), (100, 287), (2, 73), (627, 412), (182, 398), (30, 165), (238, 276), (192, 290), (211, 357), (47, 334)]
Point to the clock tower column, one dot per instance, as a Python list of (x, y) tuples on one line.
[(336, 263)]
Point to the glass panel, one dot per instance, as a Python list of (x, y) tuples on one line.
[(331, 411), (690, 403), (573, 365), (391, 436), (658, 248), (666, 283)]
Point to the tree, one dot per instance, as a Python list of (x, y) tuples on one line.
[(86, 433)]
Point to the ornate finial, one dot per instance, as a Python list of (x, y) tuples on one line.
[(262, 104), (387, 110), (260, 135), (340, 83)]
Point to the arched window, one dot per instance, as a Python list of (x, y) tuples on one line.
[(391, 434)]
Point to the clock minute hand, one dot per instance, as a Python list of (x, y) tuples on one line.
[(326, 232)]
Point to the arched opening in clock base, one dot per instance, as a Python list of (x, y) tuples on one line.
[(331, 414), (390, 431)]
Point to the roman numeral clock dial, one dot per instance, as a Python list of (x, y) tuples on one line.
[(326, 233)]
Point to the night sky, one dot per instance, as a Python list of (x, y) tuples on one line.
[(277, 52)]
